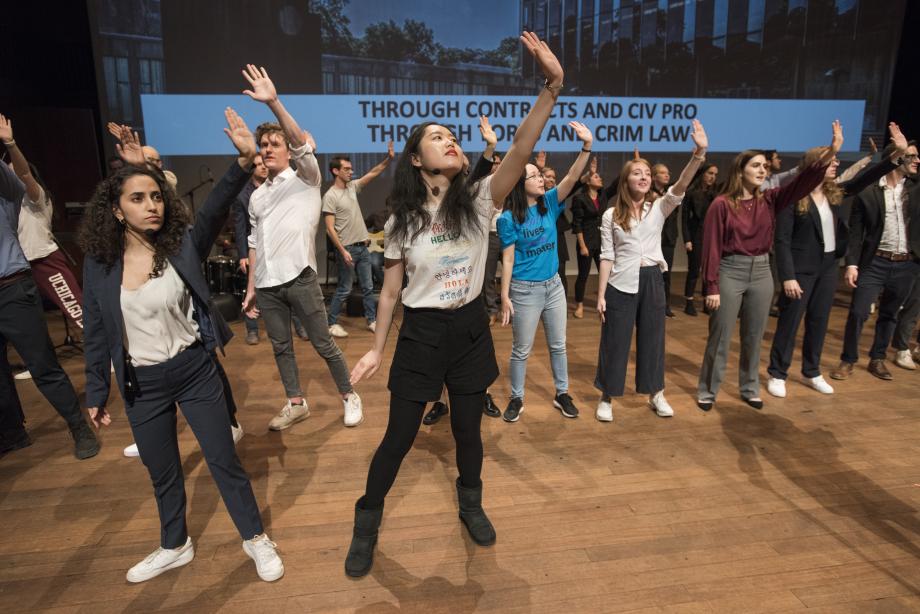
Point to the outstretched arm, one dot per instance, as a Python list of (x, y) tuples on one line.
[(528, 133), (374, 172), (568, 182), (18, 159), (700, 145)]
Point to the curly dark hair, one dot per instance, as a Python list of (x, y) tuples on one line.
[(102, 236)]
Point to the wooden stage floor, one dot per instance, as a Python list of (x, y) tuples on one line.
[(810, 504)]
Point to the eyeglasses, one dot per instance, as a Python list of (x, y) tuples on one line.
[(911, 157), (529, 177)]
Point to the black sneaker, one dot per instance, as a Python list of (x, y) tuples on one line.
[(437, 410), (667, 312), (85, 443), (513, 411), (690, 308), (563, 402), (490, 408), (14, 440)]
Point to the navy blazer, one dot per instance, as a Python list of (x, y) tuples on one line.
[(103, 322)]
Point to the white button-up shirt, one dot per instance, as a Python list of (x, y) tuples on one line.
[(827, 222), (284, 213), (894, 233), (640, 246)]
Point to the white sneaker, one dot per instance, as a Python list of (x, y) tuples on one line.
[(660, 405), (336, 330), (821, 385), (23, 375), (262, 550), (289, 414), (160, 560), (777, 387), (131, 451), (604, 411), (372, 326), (903, 359), (237, 432), (353, 412)]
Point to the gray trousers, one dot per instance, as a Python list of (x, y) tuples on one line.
[(907, 319), (745, 286), (303, 297)]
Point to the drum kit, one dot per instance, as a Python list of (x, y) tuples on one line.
[(227, 284)]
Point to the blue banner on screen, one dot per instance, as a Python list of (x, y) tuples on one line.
[(189, 125)]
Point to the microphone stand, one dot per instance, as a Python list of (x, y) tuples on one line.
[(191, 193)]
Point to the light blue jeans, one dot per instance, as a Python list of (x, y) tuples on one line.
[(534, 301)]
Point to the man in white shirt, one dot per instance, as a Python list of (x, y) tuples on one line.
[(284, 212)]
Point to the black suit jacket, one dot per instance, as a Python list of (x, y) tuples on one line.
[(693, 212), (867, 221), (586, 219), (103, 322)]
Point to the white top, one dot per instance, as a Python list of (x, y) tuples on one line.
[(35, 227), (639, 247), (444, 270), (284, 213), (158, 319), (894, 233), (827, 221)]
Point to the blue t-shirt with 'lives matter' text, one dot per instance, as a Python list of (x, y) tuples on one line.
[(535, 255)]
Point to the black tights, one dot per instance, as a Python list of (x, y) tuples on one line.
[(584, 268), (405, 419)]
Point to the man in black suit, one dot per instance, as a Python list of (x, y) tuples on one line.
[(884, 254)]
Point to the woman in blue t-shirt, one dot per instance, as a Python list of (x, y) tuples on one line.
[(533, 291)]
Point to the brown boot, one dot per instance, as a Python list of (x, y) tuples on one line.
[(878, 369), (843, 371)]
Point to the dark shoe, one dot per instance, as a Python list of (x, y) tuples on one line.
[(85, 443), (513, 411), (755, 402), (707, 310), (690, 308), (252, 337), (14, 440), (878, 369), (668, 313), (774, 311), (843, 371), (704, 405), (563, 402), (360, 556), (491, 409), (437, 410), (473, 516)]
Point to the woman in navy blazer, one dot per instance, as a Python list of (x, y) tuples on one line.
[(808, 269), (143, 283)]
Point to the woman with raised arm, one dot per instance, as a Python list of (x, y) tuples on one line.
[(533, 291), (146, 312), (588, 207), (437, 236), (693, 210), (810, 238), (630, 285), (735, 265)]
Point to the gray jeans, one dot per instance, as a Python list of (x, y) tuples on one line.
[(745, 286), (302, 297), (907, 319)]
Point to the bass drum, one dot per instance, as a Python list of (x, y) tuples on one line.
[(220, 274)]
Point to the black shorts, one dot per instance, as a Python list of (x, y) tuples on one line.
[(438, 347)]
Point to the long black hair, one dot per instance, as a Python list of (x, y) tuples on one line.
[(409, 195), (517, 201)]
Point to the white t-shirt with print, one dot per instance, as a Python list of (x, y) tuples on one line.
[(35, 227), (444, 270)]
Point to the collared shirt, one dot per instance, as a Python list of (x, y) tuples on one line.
[(35, 227), (343, 204), (894, 234), (284, 213), (640, 245), (827, 222), (12, 191)]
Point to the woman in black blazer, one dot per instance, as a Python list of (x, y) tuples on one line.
[(806, 260), (588, 206), (146, 312), (693, 210)]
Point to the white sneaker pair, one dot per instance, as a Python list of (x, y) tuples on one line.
[(260, 549), (777, 387), (336, 330), (237, 432), (291, 414)]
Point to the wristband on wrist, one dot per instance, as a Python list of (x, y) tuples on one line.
[(700, 158), (585, 150), (9, 143), (554, 89)]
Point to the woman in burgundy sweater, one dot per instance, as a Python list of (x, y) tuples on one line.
[(735, 267)]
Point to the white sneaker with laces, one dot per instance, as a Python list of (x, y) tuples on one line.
[(604, 411), (777, 387), (661, 405), (289, 415), (263, 551), (353, 409), (23, 375), (160, 560), (904, 360), (372, 326), (131, 451), (237, 432), (821, 385), (336, 330)]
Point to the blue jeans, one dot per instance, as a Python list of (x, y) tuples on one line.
[(362, 263), (534, 301), (377, 267)]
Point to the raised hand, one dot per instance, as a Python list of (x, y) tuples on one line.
[(240, 135), (540, 159), (391, 152), (592, 165), (837, 138), (873, 148), (6, 129), (263, 90), (547, 60), (485, 129), (115, 129), (700, 140), (582, 132), (129, 149), (636, 155), (897, 138)]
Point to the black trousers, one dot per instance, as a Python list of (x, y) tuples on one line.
[(22, 323), (643, 311), (818, 290), (668, 252), (907, 319), (584, 268), (189, 379), (693, 267), (228, 391)]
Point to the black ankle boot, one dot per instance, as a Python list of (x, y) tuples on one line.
[(360, 557), (690, 308), (85, 443), (473, 516)]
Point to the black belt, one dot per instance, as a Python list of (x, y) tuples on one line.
[(17, 276)]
